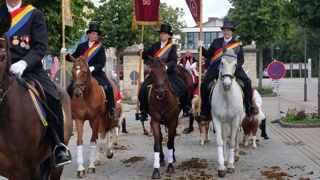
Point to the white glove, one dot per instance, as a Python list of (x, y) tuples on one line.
[(18, 67), (63, 50), (140, 47), (200, 44), (91, 68), (166, 67)]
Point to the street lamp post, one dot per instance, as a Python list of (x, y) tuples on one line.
[(277, 48)]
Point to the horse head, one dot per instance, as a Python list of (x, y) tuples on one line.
[(159, 77), (228, 66), (4, 46), (81, 75)]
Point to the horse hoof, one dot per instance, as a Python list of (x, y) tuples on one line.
[(91, 170), (97, 163), (80, 174), (110, 156), (162, 163), (170, 168), (174, 159), (115, 143), (156, 174), (222, 173), (236, 158), (230, 170)]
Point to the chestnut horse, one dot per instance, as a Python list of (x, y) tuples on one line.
[(88, 103), (25, 148), (163, 109)]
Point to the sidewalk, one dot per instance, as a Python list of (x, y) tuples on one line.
[(304, 141)]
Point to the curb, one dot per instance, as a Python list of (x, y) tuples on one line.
[(290, 125)]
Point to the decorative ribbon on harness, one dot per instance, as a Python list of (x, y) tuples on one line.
[(92, 51), (218, 54), (39, 109), (163, 51), (19, 18)]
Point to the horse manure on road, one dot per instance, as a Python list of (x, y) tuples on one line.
[(193, 163), (133, 160)]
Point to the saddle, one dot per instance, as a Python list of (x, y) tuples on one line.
[(213, 83), (38, 98)]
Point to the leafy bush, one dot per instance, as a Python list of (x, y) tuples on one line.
[(300, 116), (126, 98), (266, 90)]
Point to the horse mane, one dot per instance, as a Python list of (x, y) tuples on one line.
[(8, 64)]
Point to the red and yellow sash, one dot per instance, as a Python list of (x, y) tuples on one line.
[(19, 18), (92, 51), (218, 54), (163, 51)]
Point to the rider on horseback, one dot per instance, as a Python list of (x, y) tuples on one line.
[(178, 85), (214, 54), (96, 60), (28, 45)]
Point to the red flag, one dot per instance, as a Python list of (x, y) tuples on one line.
[(194, 7), (146, 12)]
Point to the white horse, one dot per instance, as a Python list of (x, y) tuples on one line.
[(227, 109)]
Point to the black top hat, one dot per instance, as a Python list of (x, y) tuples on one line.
[(227, 24), (95, 28), (166, 28)]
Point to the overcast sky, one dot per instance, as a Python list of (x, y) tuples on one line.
[(211, 8)]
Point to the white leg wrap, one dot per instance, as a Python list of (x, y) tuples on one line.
[(220, 156), (92, 154), (79, 154), (231, 156), (156, 163), (170, 155)]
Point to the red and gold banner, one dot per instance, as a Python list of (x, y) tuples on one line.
[(146, 12), (194, 7)]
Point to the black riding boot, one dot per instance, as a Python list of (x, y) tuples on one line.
[(263, 129), (70, 89), (124, 128), (59, 149), (250, 110), (191, 119), (143, 111), (110, 103), (186, 105)]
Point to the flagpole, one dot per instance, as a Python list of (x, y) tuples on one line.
[(140, 70), (63, 69), (200, 60)]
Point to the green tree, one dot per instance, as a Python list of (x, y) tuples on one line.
[(308, 15), (262, 21), (53, 15), (116, 26)]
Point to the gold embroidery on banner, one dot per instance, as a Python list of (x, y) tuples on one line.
[(146, 2)]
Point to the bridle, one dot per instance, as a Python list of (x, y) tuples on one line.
[(160, 88), (85, 82), (4, 59)]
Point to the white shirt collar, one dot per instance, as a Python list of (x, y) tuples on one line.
[(10, 9), (90, 44), (227, 40), (163, 44)]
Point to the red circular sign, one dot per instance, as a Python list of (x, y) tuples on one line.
[(276, 70)]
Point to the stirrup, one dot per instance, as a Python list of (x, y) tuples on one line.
[(54, 155), (112, 112)]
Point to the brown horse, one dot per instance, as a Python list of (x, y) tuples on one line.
[(163, 108), (25, 149), (88, 103)]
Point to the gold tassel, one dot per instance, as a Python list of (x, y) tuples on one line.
[(159, 21), (134, 23)]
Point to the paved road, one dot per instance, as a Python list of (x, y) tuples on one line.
[(292, 152)]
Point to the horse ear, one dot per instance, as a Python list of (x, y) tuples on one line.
[(5, 23), (224, 47), (151, 58), (236, 50), (72, 58)]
